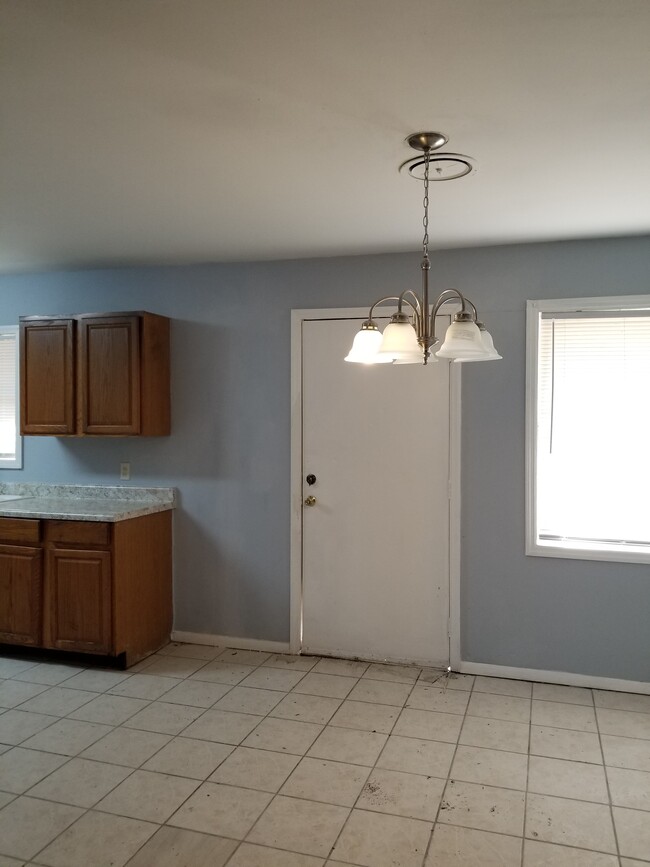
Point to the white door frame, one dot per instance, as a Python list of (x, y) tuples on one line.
[(361, 313)]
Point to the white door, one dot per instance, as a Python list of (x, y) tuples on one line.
[(375, 578)]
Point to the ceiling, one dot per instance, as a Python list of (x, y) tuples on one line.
[(161, 131)]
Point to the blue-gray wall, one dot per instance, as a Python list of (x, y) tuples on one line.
[(229, 451)]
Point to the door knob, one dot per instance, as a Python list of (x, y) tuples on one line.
[(310, 501)]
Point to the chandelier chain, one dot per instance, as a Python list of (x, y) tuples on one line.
[(425, 203)]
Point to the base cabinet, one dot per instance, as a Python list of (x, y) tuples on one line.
[(89, 587)]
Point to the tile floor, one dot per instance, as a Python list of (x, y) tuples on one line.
[(203, 757)]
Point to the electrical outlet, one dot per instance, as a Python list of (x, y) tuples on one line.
[(125, 471)]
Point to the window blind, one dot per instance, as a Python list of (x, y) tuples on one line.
[(593, 414), (8, 397)]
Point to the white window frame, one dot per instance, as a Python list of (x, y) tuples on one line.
[(533, 311), (15, 463)]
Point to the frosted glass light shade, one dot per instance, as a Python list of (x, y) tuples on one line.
[(365, 348), (463, 340), (400, 344), (488, 343)]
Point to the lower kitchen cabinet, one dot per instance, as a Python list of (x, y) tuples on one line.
[(86, 586)]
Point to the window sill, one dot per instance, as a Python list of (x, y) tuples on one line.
[(570, 551)]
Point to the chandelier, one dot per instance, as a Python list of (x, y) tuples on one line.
[(411, 333)]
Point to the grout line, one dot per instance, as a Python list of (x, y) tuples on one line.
[(530, 734), (609, 794)]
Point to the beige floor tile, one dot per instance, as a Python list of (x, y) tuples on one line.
[(6, 798), (447, 679), (538, 854), (562, 715), (222, 672), (504, 707), (633, 830), (416, 756), (490, 767), (465, 847), (366, 716), (394, 673), (412, 795), (291, 662), (228, 811), (433, 698), (109, 709), (628, 788), (251, 855), (67, 737), (10, 862), (564, 744), (486, 808), (631, 862), (330, 782), (503, 686), (429, 725), (255, 769), (376, 840), (27, 825), (147, 686), (307, 708), (196, 693), (186, 757), (175, 847), (557, 692), (495, 734), (174, 666), (222, 726), (571, 823), (624, 723), (96, 680), (98, 839), (15, 692), (621, 700), (47, 672), (566, 779), (205, 652), (243, 699), (244, 657), (80, 782), (348, 745), (281, 679), (299, 826), (164, 718), (151, 797), (283, 736), (633, 753), (21, 769), (18, 725), (344, 667), (381, 692), (58, 701), (126, 747), (329, 685)]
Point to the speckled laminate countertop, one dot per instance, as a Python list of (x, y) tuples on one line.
[(82, 502)]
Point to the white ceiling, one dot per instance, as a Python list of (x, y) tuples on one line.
[(216, 130)]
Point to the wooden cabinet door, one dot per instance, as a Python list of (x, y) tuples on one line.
[(21, 596), (109, 375), (47, 375), (78, 600)]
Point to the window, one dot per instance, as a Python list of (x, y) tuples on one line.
[(588, 428), (11, 452)]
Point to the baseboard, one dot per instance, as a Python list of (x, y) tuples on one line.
[(564, 678), (231, 641)]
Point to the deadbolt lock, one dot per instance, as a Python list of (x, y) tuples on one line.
[(310, 501)]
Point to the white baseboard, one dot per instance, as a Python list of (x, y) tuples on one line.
[(562, 677), (231, 641)]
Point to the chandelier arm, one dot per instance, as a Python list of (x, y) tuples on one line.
[(445, 297), (400, 300)]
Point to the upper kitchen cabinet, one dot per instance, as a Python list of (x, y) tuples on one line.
[(100, 374)]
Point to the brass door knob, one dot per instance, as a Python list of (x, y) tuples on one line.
[(310, 501)]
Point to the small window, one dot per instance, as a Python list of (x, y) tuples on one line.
[(588, 428), (11, 452)]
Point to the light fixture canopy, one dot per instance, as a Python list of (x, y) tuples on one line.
[(410, 336)]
